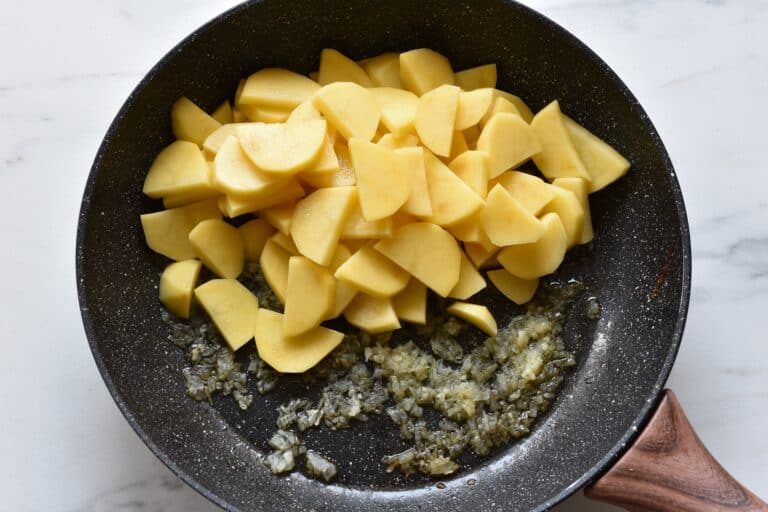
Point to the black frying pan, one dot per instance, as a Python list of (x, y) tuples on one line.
[(640, 269)]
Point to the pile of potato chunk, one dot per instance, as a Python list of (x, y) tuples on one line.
[(369, 183)]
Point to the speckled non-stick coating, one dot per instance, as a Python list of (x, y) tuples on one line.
[(640, 268)]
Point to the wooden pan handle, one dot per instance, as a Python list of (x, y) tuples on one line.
[(668, 469)]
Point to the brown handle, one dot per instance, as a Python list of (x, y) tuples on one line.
[(668, 469)]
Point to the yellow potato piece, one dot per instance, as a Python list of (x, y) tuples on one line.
[(261, 114), (306, 111), (452, 200), (422, 70), (318, 220), (391, 141), (178, 200), (470, 230), (581, 189), (499, 105), (344, 177), (471, 135), (477, 315), (178, 169), (274, 87), (167, 232), (427, 252), (349, 108), (470, 280), (372, 314), (477, 77), (274, 266), (233, 206), (280, 216), (516, 289), (458, 146), (309, 297), (384, 185), (384, 70), (232, 308), (410, 304), (435, 116), (255, 234), (239, 92), (603, 163), (558, 157), (238, 116), (357, 227), (520, 105), (481, 256), (473, 169), (509, 141), (177, 282), (568, 207), (215, 140), (412, 160), (398, 108), (541, 257), (507, 222), (285, 242), (344, 292), (472, 107), (284, 148), (190, 122), (291, 354), (371, 272), (335, 67), (326, 162), (235, 174), (220, 247), (530, 191), (223, 113)]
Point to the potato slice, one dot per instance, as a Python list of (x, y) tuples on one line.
[(344, 292), (398, 108), (284, 148), (280, 216), (470, 280), (318, 220), (541, 257), (262, 114), (223, 113), (235, 174), (516, 289), (285, 242), (411, 303), (371, 272), (581, 189), (178, 169), (471, 135), (507, 222), (274, 266), (309, 297), (255, 234), (472, 107), (233, 206), (458, 146), (178, 200), (344, 177), (167, 232), (452, 200), (499, 105), (530, 191), (481, 255), (383, 183), (190, 122), (306, 111), (427, 252), (435, 116), (509, 141), (520, 105), (177, 282), (568, 207), (291, 354), (335, 67), (356, 227), (603, 163), (477, 77), (349, 108), (391, 141), (275, 87), (215, 140), (326, 162), (558, 157), (220, 247), (232, 308), (371, 314), (384, 70), (477, 315), (412, 160), (422, 70), (470, 230), (473, 169)]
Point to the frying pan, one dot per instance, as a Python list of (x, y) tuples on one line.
[(640, 270)]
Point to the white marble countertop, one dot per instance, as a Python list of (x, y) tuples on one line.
[(699, 67)]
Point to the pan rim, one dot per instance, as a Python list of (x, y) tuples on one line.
[(616, 451)]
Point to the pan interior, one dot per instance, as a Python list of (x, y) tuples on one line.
[(639, 270)]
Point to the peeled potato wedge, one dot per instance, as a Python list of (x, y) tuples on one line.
[(318, 221), (472, 107), (291, 354), (410, 304), (282, 148), (451, 199), (372, 273), (177, 283), (435, 116), (219, 246), (371, 314), (232, 307), (470, 280), (349, 108), (477, 77), (603, 163), (285, 242), (398, 108), (262, 114), (558, 157), (568, 207), (516, 289), (499, 105), (306, 111), (412, 161), (223, 113), (178, 169), (233, 206), (507, 222), (383, 184), (521, 107), (336, 67), (344, 292), (280, 216), (530, 191), (167, 232), (481, 255), (391, 141), (255, 233), (235, 174), (344, 177), (356, 227), (581, 189), (276, 88), (384, 70), (214, 141), (542, 257), (422, 70), (274, 266), (309, 295), (509, 141), (473, 169), (477, 315), (190, 122)]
